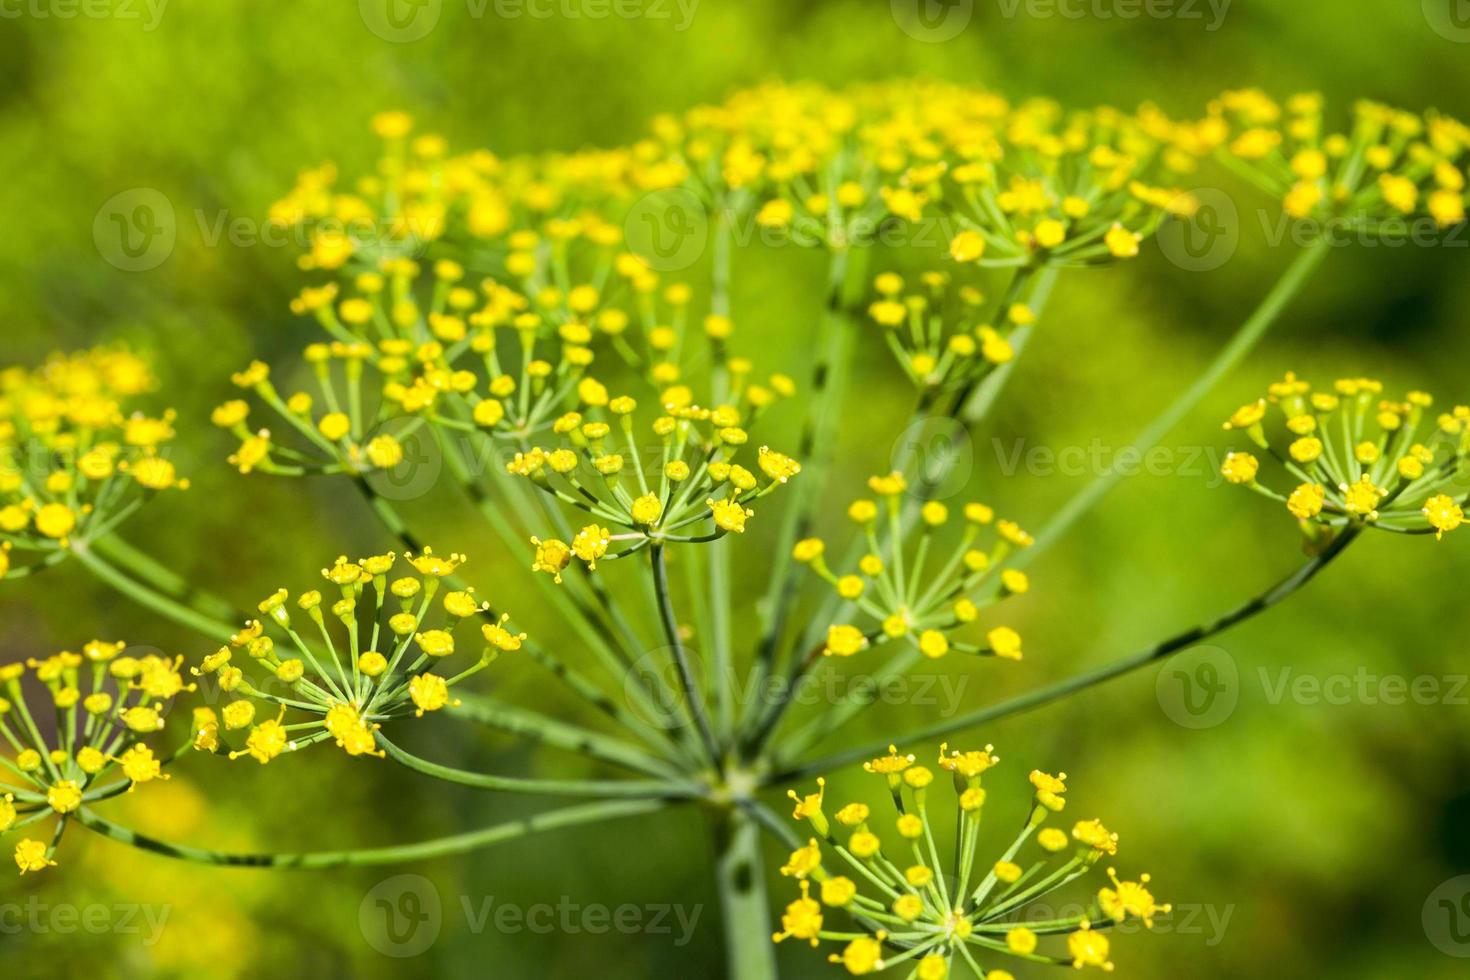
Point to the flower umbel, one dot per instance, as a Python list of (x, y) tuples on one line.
[(919, 913), (371, 655), (106, 704), (1357, 457), (905, 598)]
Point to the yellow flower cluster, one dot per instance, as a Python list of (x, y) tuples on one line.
[(388, 666), (1390, 165), (936, 333), (105, 702), (898, 591), (77, 454), (691, 477), (921, 914), (1359, 458)]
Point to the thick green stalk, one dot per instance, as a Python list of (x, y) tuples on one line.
[(829, 384), (1246, 337), (740, 872), (420, 851), (1081, 682)]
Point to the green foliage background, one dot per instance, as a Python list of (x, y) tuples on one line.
[(1320, 828)]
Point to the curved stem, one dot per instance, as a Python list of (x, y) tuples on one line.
[(1244, 341), (128, 557), (421, 850), (637, 789), (1081, 682), (533, 726), (150, 599), (687, 680)]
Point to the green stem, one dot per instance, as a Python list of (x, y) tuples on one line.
[(1081, 682), (1244, 341), (420, 851), (975, 405), (687, 680), (536, 727), (740, 872), (150, 570), (148, 598), (637, 789), (816, 449)]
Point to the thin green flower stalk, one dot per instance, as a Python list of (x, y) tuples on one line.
[(100, 707), (78, 453), (909, 598), (1070, 686), (902, 593), (1359, 458), (922, 915)]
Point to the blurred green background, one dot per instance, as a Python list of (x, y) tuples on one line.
[(1320, 830)]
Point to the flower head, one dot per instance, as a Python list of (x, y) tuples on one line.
[(932, 615), (77, 451), (107, 703), (1351, 456), (933, 914), (347, 691)]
